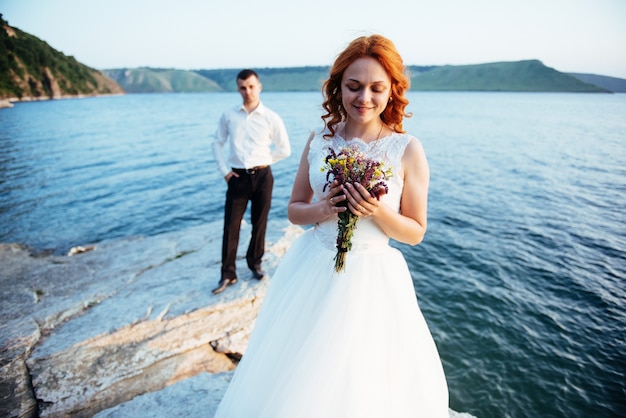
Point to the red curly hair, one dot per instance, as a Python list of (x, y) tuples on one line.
[(385, 52)]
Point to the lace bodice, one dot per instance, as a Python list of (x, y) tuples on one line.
[(389, 149)]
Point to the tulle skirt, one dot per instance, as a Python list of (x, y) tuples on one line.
[(347, 345)]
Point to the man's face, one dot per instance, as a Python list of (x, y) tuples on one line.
[(250, 89)]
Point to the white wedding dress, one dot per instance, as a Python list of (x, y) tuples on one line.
[(352, 344)]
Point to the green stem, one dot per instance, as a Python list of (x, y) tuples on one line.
[(345, 230)]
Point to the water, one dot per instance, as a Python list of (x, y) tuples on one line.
[(521, 274)]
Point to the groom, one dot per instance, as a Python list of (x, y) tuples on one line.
[(248, 140)]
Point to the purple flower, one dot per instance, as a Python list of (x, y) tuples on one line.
[(350, 165)]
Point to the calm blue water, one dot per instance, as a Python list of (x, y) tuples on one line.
[(521, 275)]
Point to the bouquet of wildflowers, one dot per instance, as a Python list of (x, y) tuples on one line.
[(351, 165)]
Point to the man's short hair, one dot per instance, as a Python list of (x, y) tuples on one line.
[(246, 74)]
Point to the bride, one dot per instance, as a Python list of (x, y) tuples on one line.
[(348, 341)]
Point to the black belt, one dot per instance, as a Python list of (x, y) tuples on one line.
[(252, 170)]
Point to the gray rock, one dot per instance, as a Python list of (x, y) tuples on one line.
[(131, 317), (197, 396), (129, 327)]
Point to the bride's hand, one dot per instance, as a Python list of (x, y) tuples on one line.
[(360, 202), (335, 197)]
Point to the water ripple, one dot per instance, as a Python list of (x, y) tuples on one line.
[(521, 274)]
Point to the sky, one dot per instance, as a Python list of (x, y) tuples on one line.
[(585, 36)]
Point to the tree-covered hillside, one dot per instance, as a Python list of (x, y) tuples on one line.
[(273, 79), (148, 80), (613, 84), (528, 76), (32, 69)]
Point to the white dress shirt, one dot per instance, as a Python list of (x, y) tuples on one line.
[(252, 139)]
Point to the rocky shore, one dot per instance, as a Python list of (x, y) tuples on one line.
[(130, 319), (127, 327), (10, 102)]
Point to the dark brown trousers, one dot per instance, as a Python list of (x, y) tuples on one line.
[(254, 186)]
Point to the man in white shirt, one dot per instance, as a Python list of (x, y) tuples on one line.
[(248, 140)]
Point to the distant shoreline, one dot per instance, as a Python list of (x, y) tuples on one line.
[(8, 102)]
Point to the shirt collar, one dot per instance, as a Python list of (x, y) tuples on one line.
[(259, 109)]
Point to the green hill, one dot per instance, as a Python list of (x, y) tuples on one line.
[(273, 79), (30, 69), (147, 80), (522, 76), (613, 84)]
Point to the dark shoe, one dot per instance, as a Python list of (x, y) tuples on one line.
[(259, 274), (223, 284)]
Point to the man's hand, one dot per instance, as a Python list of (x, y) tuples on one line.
[(229, 175)]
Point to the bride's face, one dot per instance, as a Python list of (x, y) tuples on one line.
[(365, 90)]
